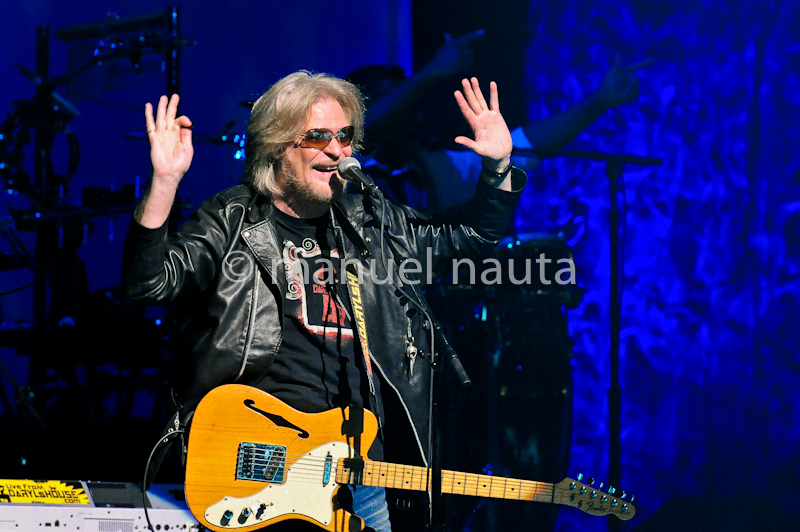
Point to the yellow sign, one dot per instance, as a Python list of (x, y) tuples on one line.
[(42, 492)]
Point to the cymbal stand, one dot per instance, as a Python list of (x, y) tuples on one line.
[(23, 399), (614, 166)]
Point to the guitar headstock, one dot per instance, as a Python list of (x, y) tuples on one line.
[(594, 501)]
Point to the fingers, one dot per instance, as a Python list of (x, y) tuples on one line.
[(466, 142), (476, 88), (149, 121), (186, 132), (639, 65), (161, 122), (494, 98), (172, 110), (472, 102), (165, 115), (463, 105), (469, 37), (473, 95)]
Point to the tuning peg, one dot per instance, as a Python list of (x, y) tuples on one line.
[(590, 480), (600, 486), (580, 476), (612, 490), (624, 494)]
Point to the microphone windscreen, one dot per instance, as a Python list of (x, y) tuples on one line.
[(348, 163)]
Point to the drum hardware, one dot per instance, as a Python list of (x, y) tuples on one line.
[(46, 115), (614, 166), (540, 269), (62, 323), (226, 135)]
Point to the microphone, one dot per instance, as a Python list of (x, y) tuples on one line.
[(449, 353), (7, 229), (350, 169)]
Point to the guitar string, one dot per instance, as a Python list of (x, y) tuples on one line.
[(317, 464), (313, 466), (379, 473), (307, 471), (310, 474)]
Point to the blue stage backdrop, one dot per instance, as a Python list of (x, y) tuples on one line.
[(710, 353)]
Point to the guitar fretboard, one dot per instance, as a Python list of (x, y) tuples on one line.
[(416, 478)]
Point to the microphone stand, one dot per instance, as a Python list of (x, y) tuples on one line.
[(442, 350), (614, 166)]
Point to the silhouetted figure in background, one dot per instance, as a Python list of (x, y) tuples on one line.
[(412, 172), (516, 419)]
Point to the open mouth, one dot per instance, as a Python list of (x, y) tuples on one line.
[(326, 169)]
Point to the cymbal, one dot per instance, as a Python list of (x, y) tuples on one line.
[(101, 29), (219, 140)]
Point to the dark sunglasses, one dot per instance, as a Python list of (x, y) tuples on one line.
[(321, 137)]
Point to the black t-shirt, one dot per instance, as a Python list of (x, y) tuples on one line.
[(320, 364)]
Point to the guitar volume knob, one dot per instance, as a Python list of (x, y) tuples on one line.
[(226, 518)]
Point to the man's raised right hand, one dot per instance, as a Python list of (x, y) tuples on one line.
[(171, 149)]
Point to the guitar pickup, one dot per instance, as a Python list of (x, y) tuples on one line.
[(261, 462)]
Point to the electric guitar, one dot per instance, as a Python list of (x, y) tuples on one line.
[(254, 461)]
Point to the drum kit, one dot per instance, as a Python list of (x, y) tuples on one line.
[(508, 324), (67, 319)]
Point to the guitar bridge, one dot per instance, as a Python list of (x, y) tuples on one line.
[(261, 462)]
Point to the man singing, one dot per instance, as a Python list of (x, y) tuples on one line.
[(259, 268)]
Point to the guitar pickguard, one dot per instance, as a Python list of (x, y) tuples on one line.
[(307, 490)]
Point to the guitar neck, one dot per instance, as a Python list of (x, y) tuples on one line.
[(416, 478)]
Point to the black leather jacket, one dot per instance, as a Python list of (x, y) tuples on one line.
[(221, 266)]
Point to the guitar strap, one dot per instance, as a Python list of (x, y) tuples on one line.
[(361, 327), (353, 428)]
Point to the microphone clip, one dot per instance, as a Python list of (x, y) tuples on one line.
[(350, 169)]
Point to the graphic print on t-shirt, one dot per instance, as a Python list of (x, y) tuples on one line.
[(310, 296)]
